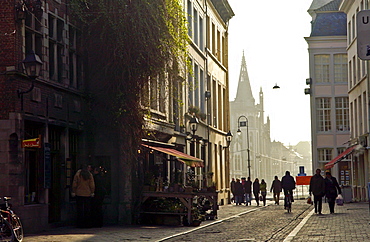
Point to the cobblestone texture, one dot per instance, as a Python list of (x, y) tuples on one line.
[(237, 223)]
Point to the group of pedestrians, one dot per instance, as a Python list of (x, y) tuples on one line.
[(89, 189), (321, 187), (242, 189)]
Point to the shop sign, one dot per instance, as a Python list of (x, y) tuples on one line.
[(32, 143)]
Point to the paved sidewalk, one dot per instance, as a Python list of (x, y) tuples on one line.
[(349, 223)]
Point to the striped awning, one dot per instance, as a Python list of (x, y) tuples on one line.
[(180, 156), (340, 157)]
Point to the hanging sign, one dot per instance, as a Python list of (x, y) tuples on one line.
[(32, 143)]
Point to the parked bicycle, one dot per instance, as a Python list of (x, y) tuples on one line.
[(11, 229)]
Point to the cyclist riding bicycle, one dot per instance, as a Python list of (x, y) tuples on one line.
[(288, 185)]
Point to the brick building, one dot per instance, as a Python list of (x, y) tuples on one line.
[(50, 108)]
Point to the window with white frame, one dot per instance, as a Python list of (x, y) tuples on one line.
[(195, 28), (322, 68), (324, 154), (190, 14), (201, 34), (340, 68), (323, 112), (196, 86), (342, 113), (190, 87)]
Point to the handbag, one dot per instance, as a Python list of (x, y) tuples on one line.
[(309, 200), (339, 200)]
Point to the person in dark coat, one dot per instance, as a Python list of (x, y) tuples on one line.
[(317, 187), (97, 201), (256, 190), (238, 192), (276, 189), (248, 191), (288, 184), (232, 187), (331, 190)]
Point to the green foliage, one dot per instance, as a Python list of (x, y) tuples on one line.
[(128, 41)]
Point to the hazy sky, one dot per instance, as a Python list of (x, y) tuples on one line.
[(271, 33)]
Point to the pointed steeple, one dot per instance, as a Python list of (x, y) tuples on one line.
[(244, 91)]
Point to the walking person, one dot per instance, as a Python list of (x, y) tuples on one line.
[(238, 192), (97, 200), (331, 190), (248, 191), (317, 188), (288, 184), (256, 190), (263, 189), (232, 187), (276, 189), (243, 182), (83, 189)]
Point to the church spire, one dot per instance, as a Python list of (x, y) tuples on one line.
[(244, 91)]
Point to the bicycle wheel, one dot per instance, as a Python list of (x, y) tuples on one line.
[(289, 207), (17, 228), (6, 231)]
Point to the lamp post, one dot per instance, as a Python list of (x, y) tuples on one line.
[(229, 137), (243, 124), (193, 124), (32, 65)]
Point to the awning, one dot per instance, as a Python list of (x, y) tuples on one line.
[(340, 157), (185, 158)]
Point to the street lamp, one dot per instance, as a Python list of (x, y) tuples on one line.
[(193, 124), (32, 65), (229, 137), (243, 124)]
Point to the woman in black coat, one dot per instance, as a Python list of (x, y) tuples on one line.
[(331, 190), (256, 191)]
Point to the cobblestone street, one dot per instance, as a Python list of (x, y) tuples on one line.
[(239, 223)]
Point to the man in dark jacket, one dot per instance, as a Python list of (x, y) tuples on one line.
[(331, 187), (317, 187), (248, 191), (276, 188), (288, 184)]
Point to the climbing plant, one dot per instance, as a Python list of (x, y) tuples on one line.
[(125, 42)]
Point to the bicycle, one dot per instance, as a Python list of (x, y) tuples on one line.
[(288, 201), (11, 229)]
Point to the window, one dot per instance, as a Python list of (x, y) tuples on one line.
[(201, 91), (323, 114), (190, 87), (196, 86), (57, 68), (33, 34), (325, 155), (75, 64), (342, 113), (201, 34), (196, 29), (321, 68), (153, 93), (340, 68), (190, 14)]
